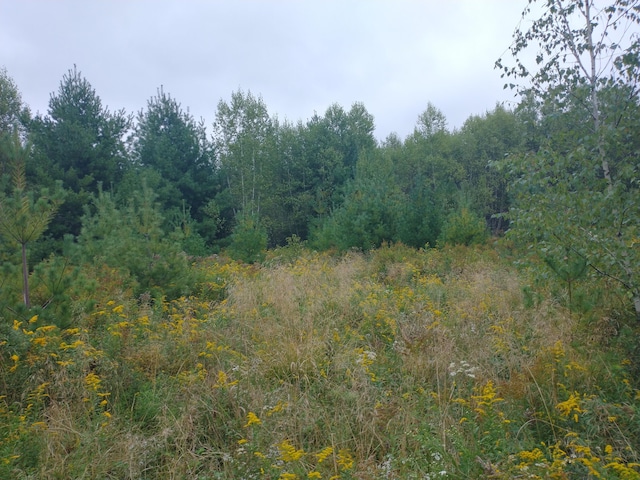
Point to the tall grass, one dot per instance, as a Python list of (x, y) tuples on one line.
[(395, 364)]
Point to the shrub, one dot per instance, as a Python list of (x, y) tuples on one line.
[(464, 227), (248, 240)]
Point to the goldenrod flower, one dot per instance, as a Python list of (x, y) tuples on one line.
[(323, 454), (41, 341), (345, 460), (572, 404), (252, 419), (288, 452), (93, 381), (15, 359), (288, 476)]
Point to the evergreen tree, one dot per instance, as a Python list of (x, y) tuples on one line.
[(80, 143), (371, 210), (23, 217), (174, 156)]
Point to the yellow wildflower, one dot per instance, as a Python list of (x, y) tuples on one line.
[(277, 408), (252, 419), (69, 346), (531, 456), (288, 476), (46, 328), (572, 404), (314, 474), (345, 460), (93, 381), (323, 454), (41, 341), (288, 452)]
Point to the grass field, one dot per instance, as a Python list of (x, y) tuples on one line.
[(396, 364)]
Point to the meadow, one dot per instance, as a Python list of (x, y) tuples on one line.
[(395, 364)]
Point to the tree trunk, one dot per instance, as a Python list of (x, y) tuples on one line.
[(25, 277), (592, 75)]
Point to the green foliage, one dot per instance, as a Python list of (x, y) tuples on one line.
[(14, 114), (464, 227), (56, 285), (174, 154), (479, 145), (131, 238), (420, 217), (368, 215), (81, 144), (212, 221), (401, 363), (23, 218), (579, 191), (248, 240), (569, 269), (244, 138)]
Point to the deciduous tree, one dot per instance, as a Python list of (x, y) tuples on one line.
[(579, 192)]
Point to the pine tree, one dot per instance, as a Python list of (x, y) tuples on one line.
[(23, 217)]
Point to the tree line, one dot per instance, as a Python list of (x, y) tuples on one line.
[(326, 180)]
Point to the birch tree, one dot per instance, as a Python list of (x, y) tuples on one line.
[(578, 62)]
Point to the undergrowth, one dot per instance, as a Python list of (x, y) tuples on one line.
[(397, 364)]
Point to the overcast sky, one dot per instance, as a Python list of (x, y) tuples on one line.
[(301, 56)]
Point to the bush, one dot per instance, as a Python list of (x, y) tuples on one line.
[(132, 239), (464, 228), (248, 240)]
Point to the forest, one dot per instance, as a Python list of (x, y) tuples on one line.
[(245, 297)]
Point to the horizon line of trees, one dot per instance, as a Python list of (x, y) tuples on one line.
[(326, 180)]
